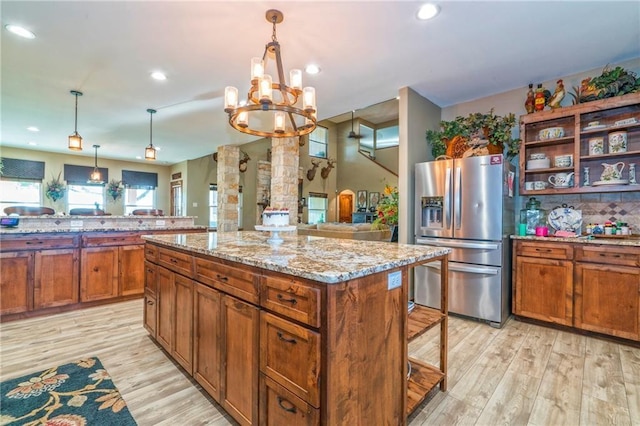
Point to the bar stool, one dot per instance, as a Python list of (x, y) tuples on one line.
[(147, 212), (29, 210)]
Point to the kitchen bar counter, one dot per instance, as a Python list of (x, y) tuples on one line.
[(326, 260), (631, 240), (310, 331)]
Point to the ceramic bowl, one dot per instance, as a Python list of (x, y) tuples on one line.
[(551, 133), (563, 161), (538, 164)]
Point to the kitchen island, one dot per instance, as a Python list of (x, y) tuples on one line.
[(309, 331), (52, 264)]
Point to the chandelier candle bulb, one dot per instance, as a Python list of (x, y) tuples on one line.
[(309, 99), (257, 69), (230, 98), (243, 119), (295, 78), (279, 122), (264, 90)]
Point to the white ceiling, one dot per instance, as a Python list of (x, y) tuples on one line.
[(367, 51)]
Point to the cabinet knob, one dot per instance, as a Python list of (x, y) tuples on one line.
[(289, 406), (222, 278)]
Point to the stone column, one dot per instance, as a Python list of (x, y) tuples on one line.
[(285, 158), (263, 188), (228, 187)]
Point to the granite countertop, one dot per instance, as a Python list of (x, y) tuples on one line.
[(326, 260), (634, 241), (18, 231)]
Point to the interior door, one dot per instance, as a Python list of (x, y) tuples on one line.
[(176, 198), (346, 207)]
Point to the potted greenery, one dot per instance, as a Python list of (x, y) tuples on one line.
[(55, 189), (496, 129)]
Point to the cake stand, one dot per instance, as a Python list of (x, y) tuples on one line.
[(275, 238)]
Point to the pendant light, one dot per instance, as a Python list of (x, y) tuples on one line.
[(75, 140), (96, 176), (150, 151)]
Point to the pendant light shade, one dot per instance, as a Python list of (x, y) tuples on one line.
[(96, 176), (150, 152), (75, 140)]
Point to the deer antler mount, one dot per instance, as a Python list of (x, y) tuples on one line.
[(326, 170), (311, 173)]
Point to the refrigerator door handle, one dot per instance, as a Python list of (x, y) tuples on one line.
[(461, 268), (457, 199), (456, 244), (447, 199)]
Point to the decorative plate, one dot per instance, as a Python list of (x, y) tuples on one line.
[(611, 182), (565, 219)]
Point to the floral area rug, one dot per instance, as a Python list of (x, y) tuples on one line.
[(76, 394)]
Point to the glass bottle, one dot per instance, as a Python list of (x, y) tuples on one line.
[(532, 215), (529, 104), (539, 100)]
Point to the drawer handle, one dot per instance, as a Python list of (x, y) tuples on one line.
[(607, 255), (282, 299), (34, 242), (149, 302), (149, 270), (543, 250), (290, 409), (172, 260), (284, 339), (222, 278)]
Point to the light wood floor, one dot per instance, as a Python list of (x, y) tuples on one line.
[(521, 374)]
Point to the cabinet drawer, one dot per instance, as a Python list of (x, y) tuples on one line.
[(292, 299), (111, 239), (150, 278), (239, 282), (613, 255), (290, 355), (150, 313), (151, 253), (181, 263), (544, 250), (35, 242), (279, 407)]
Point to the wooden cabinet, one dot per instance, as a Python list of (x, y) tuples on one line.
[(588, 286), (580, 131), (207, 346), (99, 279), (607, 290), (130, 274), (150, 297), (240, 343), (164, 317), (42, 273)]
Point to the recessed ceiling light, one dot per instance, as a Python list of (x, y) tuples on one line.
[(428, 11), (312, 69), (157, 75), (33, 129), (32, 143), (18, 30)]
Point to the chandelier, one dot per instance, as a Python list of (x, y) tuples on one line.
[(272, 109)]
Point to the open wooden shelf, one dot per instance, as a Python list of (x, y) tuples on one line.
[(422, 319), (422, 380)]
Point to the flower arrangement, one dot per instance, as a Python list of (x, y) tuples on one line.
[(55, 189), (115, 188), (388, 207)]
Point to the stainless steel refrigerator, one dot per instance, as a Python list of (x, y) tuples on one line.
[(467, 205)]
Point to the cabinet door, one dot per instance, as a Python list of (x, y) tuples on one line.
[(56, 278), (206, 339), (165, 308), (150, 278), (608, 299), (16, 289), (239, 388), (182, 349), (279, 407), (150, 314), (99, 273), (131, 269), (544, 289)]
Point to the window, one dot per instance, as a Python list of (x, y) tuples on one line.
[(85, 196), (139, 198), (213, 206), (19, 193), (318, 140), (317, 207)]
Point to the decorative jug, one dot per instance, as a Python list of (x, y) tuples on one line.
[(612, 171), (562, 180)]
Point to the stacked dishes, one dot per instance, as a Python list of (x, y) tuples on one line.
[(551, 133), (538, 161)]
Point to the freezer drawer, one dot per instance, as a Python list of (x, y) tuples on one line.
[(468, 251), (474, 290)]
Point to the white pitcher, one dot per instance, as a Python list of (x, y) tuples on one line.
[(612, 171)]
